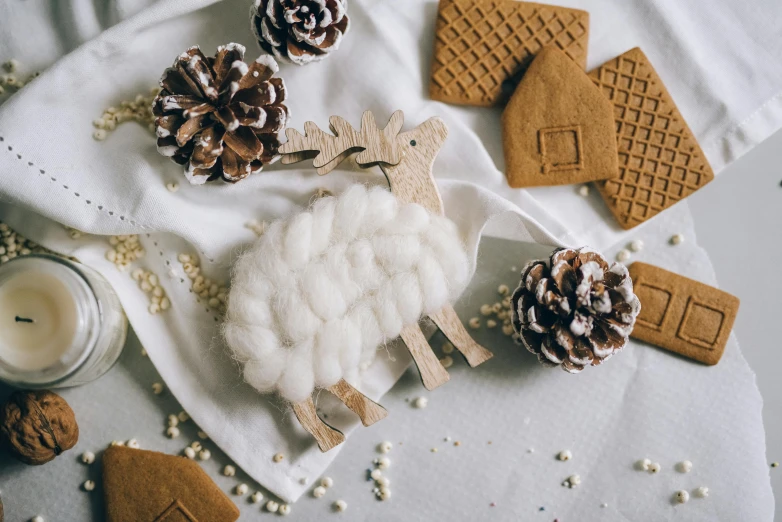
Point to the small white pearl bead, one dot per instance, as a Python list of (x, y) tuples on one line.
[(202, 435), (326, 482), (89, 485), (682, 496), (272, 506), (385, 447), (133, 443), (574, 480), (229, 471), (684, 466), (376, 474), (654, 467), (447, 361), (183, 416), (447, 347), (190, 453), (623, 255), (383, 494), (278, 457), (383, 463), (636, 245), (196, 445), (37, 518), (285, 509), (318, 492), (383, 482), (241, 489), (88, 457), (173, 420), (583, 190), (702, 492), (256, 497), (205, 454), (420, 402), (340, 505), (474, 323), (157, 388), (643, 465), (172, 432), (565, 455), (677, 239)]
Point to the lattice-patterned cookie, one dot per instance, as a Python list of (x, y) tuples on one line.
[(483, 47), (660, 162)]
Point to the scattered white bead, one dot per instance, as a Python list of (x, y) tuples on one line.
[(278, 457), (383, 463), (447, 347), (272, 506), (89, 485), (565, 455), (491, 323), (623, 255), (340, 505), (202, 435), (383, 482), (37, 518), (183, 416), (172, 187), (574, 480), (173, 421), (702, 492), (172, 432), (643, 465), (196, 445), (446, 361), (204, 454), (375, 474), (677, 239), (486, 309), (684, 466), (385, 447), (636, 245), (503, 289), (583, 190), (420, 402), (474, 323), (682, 496), (241, 489), (318, 492), (383, 494), (157, 388), (229, 471), (115, 443), (326, 482), (654, 467), (190, 453), (284, 510), (133, 443), (99, 134), (88, 457), (256, 497)]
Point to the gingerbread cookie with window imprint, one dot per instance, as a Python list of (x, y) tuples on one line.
[(558, 128)]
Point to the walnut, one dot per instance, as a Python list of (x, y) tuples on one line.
[(37, 426)]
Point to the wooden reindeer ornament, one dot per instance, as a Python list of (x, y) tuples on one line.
[(319, 292)]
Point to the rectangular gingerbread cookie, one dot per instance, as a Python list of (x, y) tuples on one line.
[(660, 161), (682, 315), (483, 47)]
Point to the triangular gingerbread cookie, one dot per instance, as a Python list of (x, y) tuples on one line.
[(558, 128), (145, 486)]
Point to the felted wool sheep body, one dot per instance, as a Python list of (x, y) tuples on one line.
[(319, 292)]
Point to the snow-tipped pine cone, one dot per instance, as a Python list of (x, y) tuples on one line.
[(299, 31), (220, 117), (575, 309)]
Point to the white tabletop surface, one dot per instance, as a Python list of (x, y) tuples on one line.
[(735, 217)]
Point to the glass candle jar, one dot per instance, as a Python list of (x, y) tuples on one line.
[(61, 323)]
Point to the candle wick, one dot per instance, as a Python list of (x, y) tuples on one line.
[(23, 320)]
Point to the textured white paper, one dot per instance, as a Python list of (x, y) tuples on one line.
[(49, 162)]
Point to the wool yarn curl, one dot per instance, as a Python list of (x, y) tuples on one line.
[(319, 292)]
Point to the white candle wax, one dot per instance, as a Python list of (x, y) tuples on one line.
[(38, 320)]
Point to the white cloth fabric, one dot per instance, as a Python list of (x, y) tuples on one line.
[(721, 62)]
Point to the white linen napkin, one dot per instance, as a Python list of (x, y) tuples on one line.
[(51, 164)]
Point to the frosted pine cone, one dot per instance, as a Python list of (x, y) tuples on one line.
[(574, 310), (299, 31), (220, 117)]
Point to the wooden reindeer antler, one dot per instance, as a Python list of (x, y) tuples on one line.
[(377, 146)]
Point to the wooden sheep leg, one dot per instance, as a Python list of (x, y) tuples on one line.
[(367, 410), (326, 436), (450, 324), (432, 372)]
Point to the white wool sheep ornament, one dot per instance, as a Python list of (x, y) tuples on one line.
[(320, 291)]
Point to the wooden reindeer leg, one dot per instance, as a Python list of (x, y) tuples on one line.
[(367, 410), (450, 324), (432, 372), (326, 436)]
